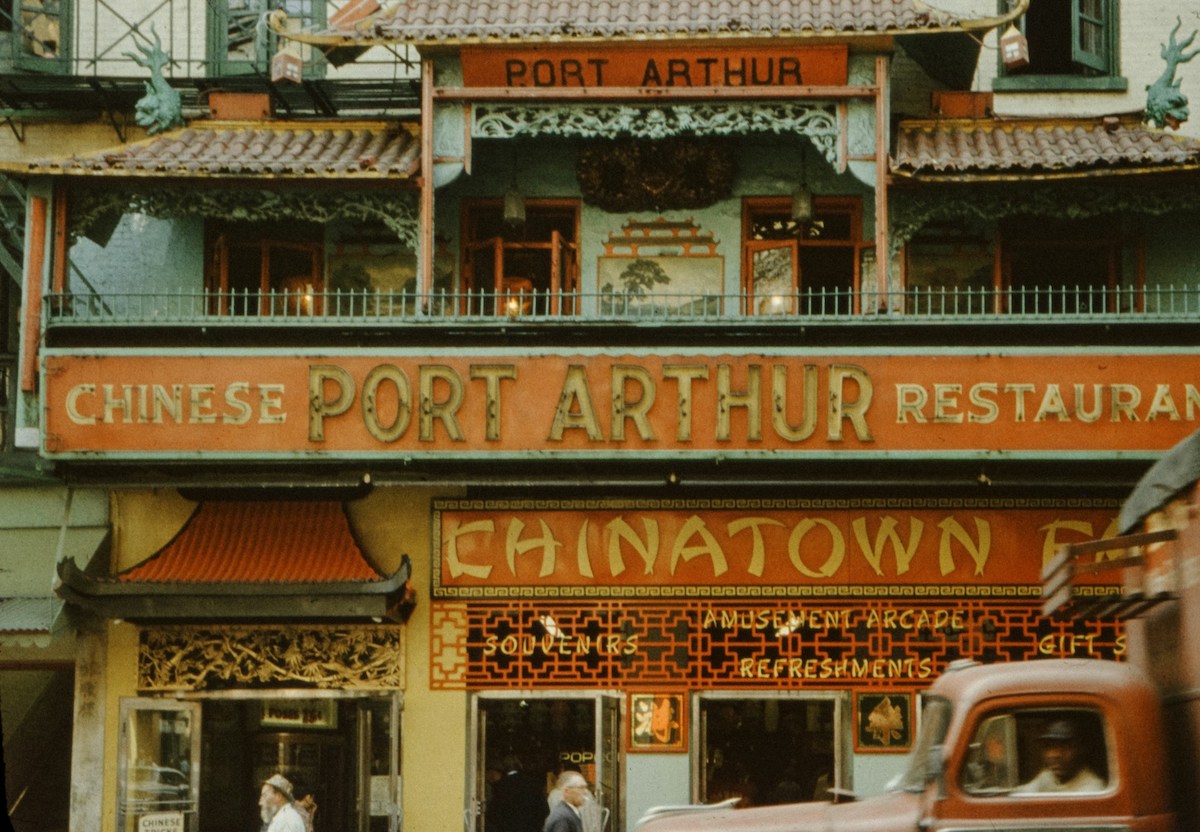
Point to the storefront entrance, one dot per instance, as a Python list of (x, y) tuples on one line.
[(206, 760), (526, 740), (769, 749)]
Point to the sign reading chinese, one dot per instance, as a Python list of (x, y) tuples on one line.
[(764, 405)]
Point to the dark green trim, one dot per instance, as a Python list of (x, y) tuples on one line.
[(1059, 83)]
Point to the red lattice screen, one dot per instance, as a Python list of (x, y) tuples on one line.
[(701, 644)]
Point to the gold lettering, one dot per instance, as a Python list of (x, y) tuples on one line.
[(751, 399), (492, 375), (779, 413), (370, 402), (319, 406), (444, 410), (694, 526), (851, 410), (683, 374), (575, 410), (637, 410), (837, 552)]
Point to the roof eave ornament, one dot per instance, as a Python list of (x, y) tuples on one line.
[(1166, 105), (160, 108)]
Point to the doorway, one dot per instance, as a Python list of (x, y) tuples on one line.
[(528, 740), (206, 760)]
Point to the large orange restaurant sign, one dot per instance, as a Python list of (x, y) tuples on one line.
[(563, 67), (814, 403)]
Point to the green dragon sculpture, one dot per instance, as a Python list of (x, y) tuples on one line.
[(160, 108), (1166, 106)]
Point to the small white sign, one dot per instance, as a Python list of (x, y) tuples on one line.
[(161, 822)]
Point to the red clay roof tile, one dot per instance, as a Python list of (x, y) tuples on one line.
[(294, 150), (986, 146), (259, 542)]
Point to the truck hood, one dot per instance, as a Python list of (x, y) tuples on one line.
[(893, 812)]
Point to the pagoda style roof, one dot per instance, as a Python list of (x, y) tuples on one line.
[(250, 560), (480, 21)]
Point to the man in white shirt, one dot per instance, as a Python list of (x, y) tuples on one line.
[(1064, 769), (275, 806)]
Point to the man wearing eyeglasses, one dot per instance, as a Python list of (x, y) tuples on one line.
[(565, 816)]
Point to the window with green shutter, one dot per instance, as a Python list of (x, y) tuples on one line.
[(1072, 45)]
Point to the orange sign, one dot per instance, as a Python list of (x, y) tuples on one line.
[(814, 403), (559, 67), (762, 547)]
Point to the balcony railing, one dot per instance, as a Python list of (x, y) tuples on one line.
[(254, 309)]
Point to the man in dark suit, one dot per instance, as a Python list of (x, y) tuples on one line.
[(565, 817), (518, 801)]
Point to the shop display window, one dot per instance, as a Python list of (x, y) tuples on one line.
[(770, 749)]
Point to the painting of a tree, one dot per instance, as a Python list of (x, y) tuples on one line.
[(641, 276)]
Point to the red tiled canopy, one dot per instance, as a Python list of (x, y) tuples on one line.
[(250, 560), (278, 149), (253, 542), (933, 149)]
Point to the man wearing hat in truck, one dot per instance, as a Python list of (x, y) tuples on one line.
[(1063, 767), (275, 806)]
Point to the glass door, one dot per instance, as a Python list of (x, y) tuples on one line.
[(158, 782)]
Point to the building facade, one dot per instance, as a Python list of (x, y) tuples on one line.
[(398, 398)]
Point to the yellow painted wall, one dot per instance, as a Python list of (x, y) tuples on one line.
[(388, 523), (145, 521), (120, 681)]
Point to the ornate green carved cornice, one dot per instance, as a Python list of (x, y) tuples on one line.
[(815, 120), (910, 210), (397, 210)]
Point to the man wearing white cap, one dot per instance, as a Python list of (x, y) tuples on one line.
[(275, 806)]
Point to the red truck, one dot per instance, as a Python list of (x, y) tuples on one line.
[(1080, 744)]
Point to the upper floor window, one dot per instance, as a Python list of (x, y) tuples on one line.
[(41, 29), (1072, 45), (1069, 266), (241, 43), (515, 266), (810, 267), (263, 268)]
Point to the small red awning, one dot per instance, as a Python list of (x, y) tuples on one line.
[(251, 560)]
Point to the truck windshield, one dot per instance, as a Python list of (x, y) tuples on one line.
[(935, 719)]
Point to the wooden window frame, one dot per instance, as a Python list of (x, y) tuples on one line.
[(753, 207), (512, 294)]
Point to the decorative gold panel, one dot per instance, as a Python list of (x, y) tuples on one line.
[(331, 657)]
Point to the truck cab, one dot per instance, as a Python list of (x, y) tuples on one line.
[(986, 735)]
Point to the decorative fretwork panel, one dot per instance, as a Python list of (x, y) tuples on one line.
[(816, 120), (202, 658), (827, 644)]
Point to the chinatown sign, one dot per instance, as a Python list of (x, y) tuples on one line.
[(593, 404), (652, 66), (754, 548)]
